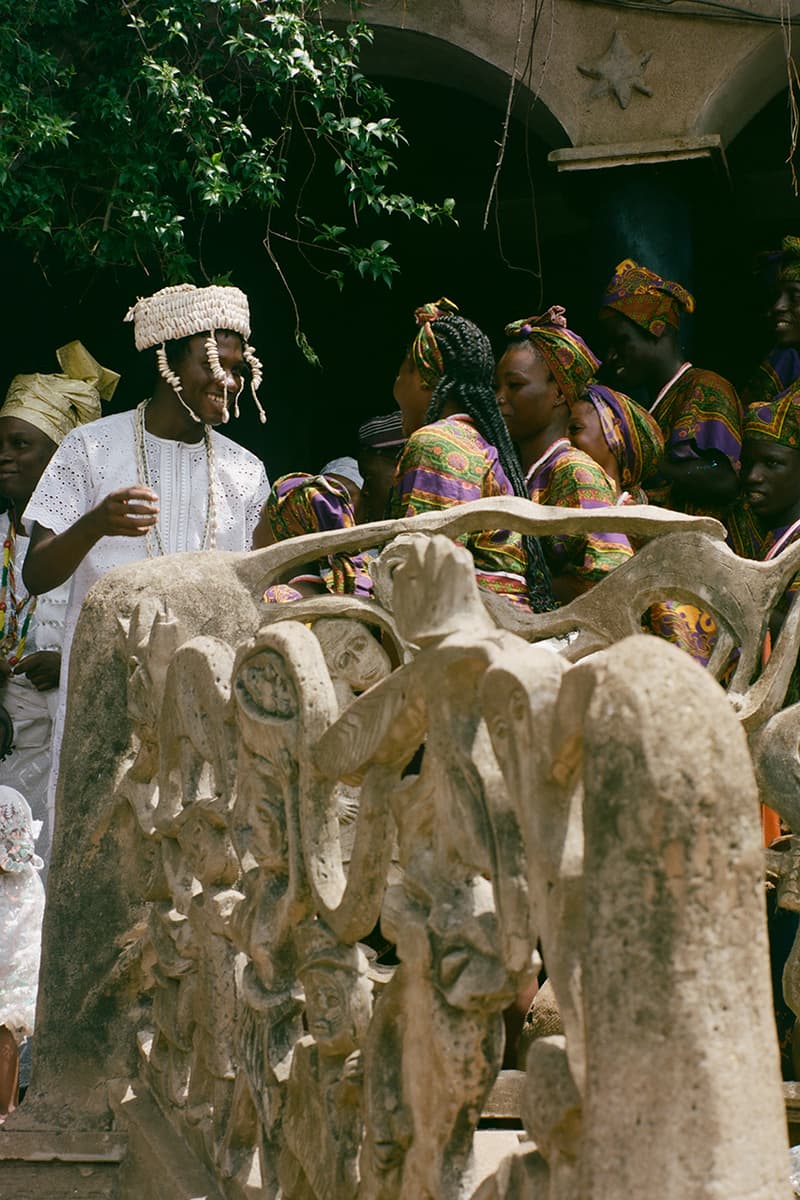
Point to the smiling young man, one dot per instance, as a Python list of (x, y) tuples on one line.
[(781, 368), (698, 411), (767, 518), (160, 479)]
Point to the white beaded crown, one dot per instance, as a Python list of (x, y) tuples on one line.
[(178, 312), (184, 310)]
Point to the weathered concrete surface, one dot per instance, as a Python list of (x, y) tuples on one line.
[(682, 1071)]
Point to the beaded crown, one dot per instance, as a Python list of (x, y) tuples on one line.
[(178, 312), (184, 310)]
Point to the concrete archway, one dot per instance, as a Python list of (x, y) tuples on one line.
[(752, 82), (420, 55)]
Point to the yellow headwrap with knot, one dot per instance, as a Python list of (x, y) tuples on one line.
[(425, 353), (55, 404)]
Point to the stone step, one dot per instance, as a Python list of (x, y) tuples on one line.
[(61, 1165)]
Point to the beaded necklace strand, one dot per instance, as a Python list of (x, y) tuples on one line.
[(12, 646), (143, 471)]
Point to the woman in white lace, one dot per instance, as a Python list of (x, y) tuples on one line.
[(21, 912), (159, 480), (38, 412)]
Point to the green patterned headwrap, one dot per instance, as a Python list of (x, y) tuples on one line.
[(425, 353), (776, 420), (790, 260), (645, 298), (569, 360)]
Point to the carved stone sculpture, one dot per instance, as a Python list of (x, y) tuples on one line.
[(322, 1122), (592, 794)]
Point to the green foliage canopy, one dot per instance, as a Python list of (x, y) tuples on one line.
[(126, 126)]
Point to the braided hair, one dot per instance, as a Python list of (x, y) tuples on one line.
[(467, 380)]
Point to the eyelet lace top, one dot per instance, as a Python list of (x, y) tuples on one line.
[(100, 457)]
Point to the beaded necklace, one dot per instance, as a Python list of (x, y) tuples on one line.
[(12, 641), (143, 471)]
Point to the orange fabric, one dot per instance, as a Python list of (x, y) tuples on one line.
[(770, 821)]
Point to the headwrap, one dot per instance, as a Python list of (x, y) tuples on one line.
[(790, 260), (776, 420), (425, 353), (302, 503), (16, 832), (380, 433), (645, 298), (569, 360), (345, 468), (55, 404), (185, 310), (632, 435)]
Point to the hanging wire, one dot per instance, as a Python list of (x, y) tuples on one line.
[(794, 90), (525, 75), (507, 118)]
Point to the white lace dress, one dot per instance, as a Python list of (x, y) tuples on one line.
[(32, 712), (21, 914), (99, 458)]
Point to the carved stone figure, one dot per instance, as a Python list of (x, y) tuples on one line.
[(282, 697), (442, 914), (203, 838), (322, 1121), (354, 657), (672, 904)]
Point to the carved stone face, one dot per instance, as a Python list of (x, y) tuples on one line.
[(329, 999), (206, 848), (263, 833), (351, 652), (264, 688), (338, 1005)]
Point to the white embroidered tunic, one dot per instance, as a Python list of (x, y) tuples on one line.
[(99, 458)]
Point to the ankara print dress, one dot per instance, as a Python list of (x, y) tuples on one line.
[(699, 413), (448, 463), (568, 478)]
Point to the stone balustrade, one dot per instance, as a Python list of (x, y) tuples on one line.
[(256, 797)]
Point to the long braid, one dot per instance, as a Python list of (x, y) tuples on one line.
[(467, 381)]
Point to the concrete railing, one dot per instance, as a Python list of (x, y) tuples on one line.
[(255, 798)]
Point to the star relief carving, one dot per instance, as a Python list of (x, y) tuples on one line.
[(619, 72)]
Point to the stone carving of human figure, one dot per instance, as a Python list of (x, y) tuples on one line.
[(274, 698), (189, 921), (424, 1092), (322, 1120), (151, 638), (204, 840), (175, 981), (356, 660)]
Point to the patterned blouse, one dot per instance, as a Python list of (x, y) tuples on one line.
[(779, 370), (698, 412), (448, 463), (569, 478)]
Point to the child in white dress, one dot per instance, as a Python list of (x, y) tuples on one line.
[(21, 913)]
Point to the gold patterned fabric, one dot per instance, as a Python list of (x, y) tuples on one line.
[(56, 404)]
